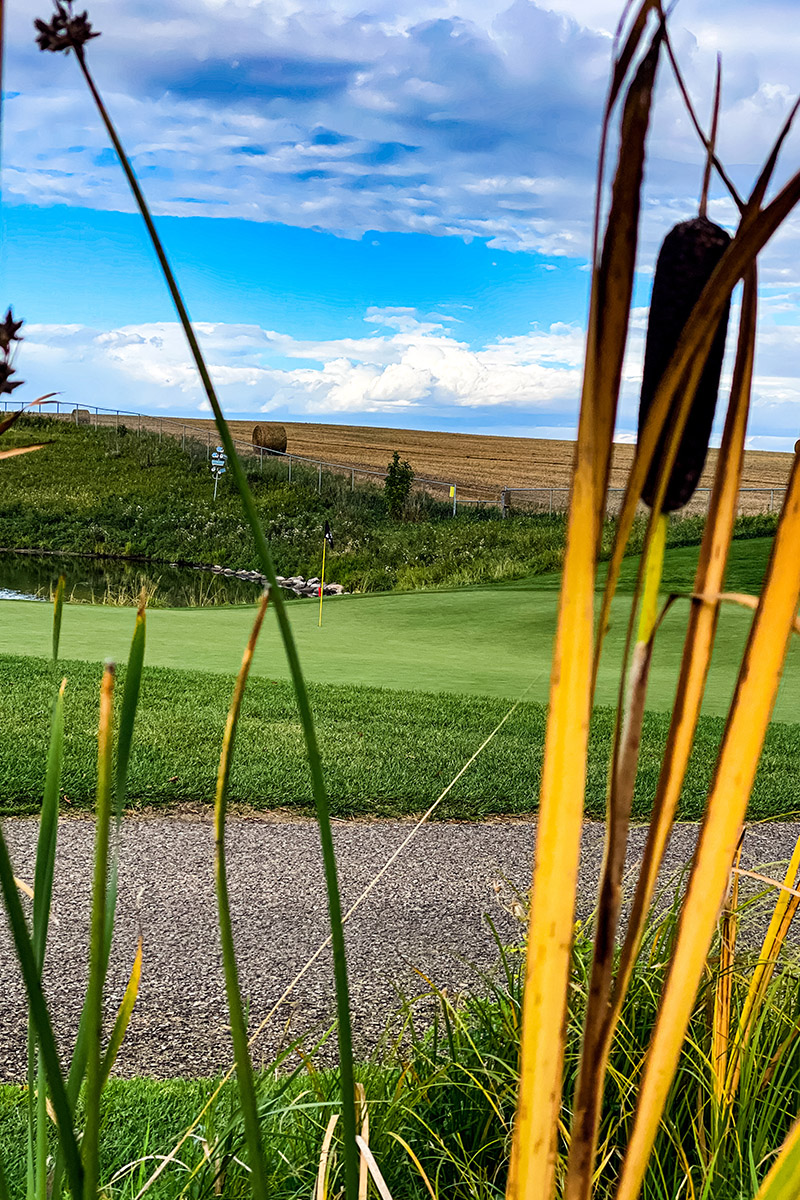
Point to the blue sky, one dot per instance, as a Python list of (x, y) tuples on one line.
[(378, 217)]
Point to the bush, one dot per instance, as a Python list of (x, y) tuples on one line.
[(397, 488)]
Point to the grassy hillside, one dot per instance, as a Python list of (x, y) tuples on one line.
[(101, 492), (386, 753)]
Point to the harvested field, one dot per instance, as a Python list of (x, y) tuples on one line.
[(480, 465)]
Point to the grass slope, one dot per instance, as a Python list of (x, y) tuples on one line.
[(490, 641), (95, 491), (386, 753)]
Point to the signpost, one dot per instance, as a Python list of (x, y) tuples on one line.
[(218, 461)]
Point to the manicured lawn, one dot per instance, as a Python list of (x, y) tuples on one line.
[(491, 641)]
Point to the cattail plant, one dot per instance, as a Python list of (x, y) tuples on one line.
[(686, 341)]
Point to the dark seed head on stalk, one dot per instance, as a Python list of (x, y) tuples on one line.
[(67, 30), (686, 261), (9, 333)]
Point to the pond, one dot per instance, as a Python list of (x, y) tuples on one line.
[(118, 582)]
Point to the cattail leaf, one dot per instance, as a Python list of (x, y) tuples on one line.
[(700, 635), (589, 1087), (764, 179), (564, 769), (742, 743), (15, 451), (617, 264)]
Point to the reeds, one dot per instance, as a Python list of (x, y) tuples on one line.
[(678, 402), (551, 1077)]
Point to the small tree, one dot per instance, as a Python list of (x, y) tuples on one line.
[(399, 477)]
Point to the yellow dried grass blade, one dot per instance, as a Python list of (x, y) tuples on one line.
[(783, 1180), (362, 1119), (374, 1170), (416, 1162), (589, 1087), (532, 1167), (723, 992), (321, 1189), (7, 422), (699, 641), (742, 743), (124, 1014), (782, 917), (15, 451)]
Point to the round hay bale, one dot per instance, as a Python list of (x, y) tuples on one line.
[(270, 437), (80, 416), (797, 447)]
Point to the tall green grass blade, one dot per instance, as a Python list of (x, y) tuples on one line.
[(98, 958), (42, 896), (127, 721), (48, 831), (41, 1019), (244, 1067), (304, 707), (58, 608), (130, 700)]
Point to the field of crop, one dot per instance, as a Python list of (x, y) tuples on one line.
[(483, 460)]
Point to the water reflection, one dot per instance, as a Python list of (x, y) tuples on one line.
[(118, 582)]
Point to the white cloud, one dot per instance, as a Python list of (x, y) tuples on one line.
[(413, 364), (451, 119)]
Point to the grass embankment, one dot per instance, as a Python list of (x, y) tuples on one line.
[(386, 753), (101, 492), (450, 1095)]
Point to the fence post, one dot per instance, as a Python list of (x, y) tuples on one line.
[(319, 481), (503, 503), (290, 468), (208, 444), (160, 428), (455, 498), (353, 479), (551, 502), (183, 437), (771, 498)]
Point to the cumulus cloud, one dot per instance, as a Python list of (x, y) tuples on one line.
[(412, 369), (475, 120), (412, 366)]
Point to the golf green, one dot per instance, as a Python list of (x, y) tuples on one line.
[(492, 641)]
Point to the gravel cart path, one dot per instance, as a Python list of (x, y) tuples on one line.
[(429, 912)]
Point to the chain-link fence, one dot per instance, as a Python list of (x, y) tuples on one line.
[(752, 501)]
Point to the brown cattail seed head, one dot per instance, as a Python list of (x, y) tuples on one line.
[(686, 261)]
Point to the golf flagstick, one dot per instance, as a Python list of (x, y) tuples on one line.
[(326, 541), (322, 580)]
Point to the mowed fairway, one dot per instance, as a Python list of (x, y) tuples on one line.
[(493, 641)]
